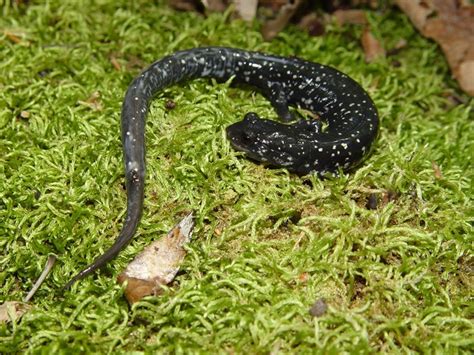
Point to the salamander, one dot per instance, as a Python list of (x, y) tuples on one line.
[(300, 145)]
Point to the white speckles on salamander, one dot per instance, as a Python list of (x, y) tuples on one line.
[(302, 147)]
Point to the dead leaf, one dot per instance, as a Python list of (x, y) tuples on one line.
[(215, 5), (186, 5), (115, 63), (372, 47), (25, 114), (272, 27), (16, 37), (436, 170), (353, 17), (158, 263), (275, 5), (134, 62), (313, 24), (11, 311), (451, 24), (93, 102), (247, 9)]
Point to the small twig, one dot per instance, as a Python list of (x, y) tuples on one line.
[(47, 269)]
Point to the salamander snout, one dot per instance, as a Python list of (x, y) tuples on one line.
[(248, 135)]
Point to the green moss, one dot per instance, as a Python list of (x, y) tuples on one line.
[(267, 244)]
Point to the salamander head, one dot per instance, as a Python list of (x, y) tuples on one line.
[(267, 141)]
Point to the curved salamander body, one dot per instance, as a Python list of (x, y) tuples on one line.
[(302, 147)]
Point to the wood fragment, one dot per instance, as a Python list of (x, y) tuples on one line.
[(115, 63), (25, 114), (313, 24), (215, 5), (47, 269), (93, 102)]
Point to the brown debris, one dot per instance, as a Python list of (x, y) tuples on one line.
[(246, 9), (451, 24), (313, 24), (319, 308), (93, 102), (157, 264), (12, 310), (186, 5), (134, 62), (437, 171), (47, 269), (372, 47), (372, 202), (25, 114), (17, 37), (215, 5), (353, 17), (115, 63), (389, 196), (272, 27)]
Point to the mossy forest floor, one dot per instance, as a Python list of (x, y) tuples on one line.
[(267, 244)]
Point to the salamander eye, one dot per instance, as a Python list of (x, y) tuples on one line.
[(251, 117)]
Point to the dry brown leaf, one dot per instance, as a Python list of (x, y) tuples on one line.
[(272, 27), (115, 63), (25, 114), (157, 264), (451, 24), (437, 171), (247, 9), (354, 17), (93, 101), (12, 310), (215, 5), (372, 47), (313, 24), (185, 5)]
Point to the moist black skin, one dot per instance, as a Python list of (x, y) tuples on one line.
[(301, 147)]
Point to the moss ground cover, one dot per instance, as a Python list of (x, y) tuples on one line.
[(267, 243)]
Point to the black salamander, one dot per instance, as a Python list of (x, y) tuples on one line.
[(302, 147)]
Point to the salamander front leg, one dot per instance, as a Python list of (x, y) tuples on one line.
[(278, 98)]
